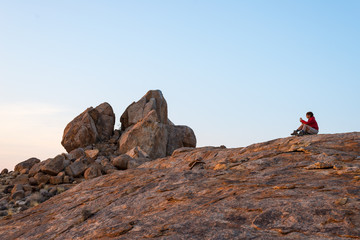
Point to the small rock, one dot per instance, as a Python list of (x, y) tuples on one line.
[(85, 214), (21, 179), (16, 188), (45, 193), (28, 164), (93, 171), (41, 178), (76, 169), (121, 162), (55, 180), (20, 203), (53, 166), (320, 165), (4, 171), (35, 169), (18, 195), (137, 152), (104, 161), (67, 179), (24, 171), (76, 154), (341, 201), (92, 154), (32, 181), (53, 191)]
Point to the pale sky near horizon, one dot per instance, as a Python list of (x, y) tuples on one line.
[(236, 72)]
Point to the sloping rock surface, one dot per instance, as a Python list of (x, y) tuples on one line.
[(292, 188)]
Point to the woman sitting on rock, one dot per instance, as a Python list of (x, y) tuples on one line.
[(307, 127)]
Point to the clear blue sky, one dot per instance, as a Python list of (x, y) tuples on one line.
[(237, 72)]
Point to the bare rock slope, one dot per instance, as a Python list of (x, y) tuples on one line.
[(291, 188)]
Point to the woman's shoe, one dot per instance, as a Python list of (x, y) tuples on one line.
[(301, 133), (294, 133)]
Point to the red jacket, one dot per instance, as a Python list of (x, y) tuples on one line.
[(312, 123)]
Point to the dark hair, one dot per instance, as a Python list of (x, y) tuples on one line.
[(310, 114)]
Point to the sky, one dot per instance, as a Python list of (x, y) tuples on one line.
[(237, 72)]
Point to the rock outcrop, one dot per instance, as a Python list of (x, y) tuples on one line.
[(145, 124), (95, 149), (91, 126), (291, 188)]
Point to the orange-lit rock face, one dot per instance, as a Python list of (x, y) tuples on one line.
[(292, 188), (91, 126)]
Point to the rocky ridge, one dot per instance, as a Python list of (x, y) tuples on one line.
[(291, 188)]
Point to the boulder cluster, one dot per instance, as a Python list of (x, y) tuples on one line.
[(94, 148)]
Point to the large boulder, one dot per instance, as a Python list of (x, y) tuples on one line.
[(149, 134), (91, 126), (178, 137), (153, 100), (146, 126)]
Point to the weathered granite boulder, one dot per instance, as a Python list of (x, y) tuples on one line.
[(77, 168), (91, 126), (149, 134), (53, 166), (153, 100), (146, 125), (178, 137), (27, 164)]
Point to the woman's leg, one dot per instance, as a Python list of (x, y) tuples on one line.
[(309, 130)]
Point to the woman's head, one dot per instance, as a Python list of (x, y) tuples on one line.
[(309, 114)]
